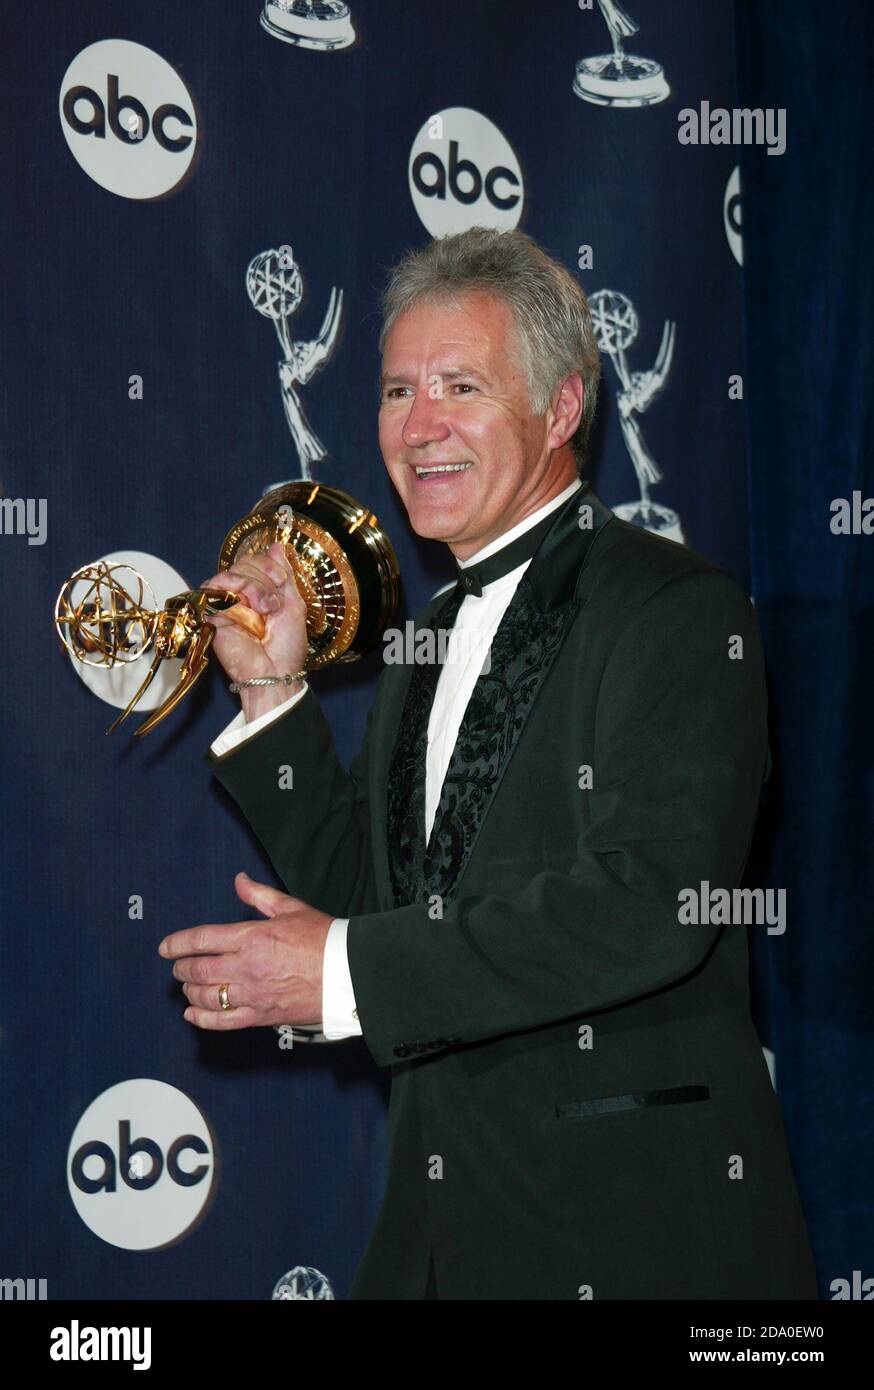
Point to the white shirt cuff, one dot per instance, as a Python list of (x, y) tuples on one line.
[(238, 730), (339, 1013)]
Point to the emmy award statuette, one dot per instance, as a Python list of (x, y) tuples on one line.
[(618, 78), (616, 326), (343, 563), (320, 24), (275, 288)]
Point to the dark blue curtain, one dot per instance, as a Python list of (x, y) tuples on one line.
[(809, 298), (313, 150)]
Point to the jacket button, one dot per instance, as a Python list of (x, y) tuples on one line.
[(419, 1046), (402, 1050)]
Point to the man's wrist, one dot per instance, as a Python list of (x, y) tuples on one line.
[(262, 699)]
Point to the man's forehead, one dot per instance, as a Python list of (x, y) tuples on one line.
[(472, 311), (470, 336)]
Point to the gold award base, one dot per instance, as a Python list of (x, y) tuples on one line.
[(343, 563)]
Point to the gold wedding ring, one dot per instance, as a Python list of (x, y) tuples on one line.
[(223, 997)]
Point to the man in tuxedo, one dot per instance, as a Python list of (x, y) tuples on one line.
[(491, 894)]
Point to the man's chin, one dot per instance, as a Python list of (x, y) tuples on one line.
[(433, 523), (436, 523), (433, 528)]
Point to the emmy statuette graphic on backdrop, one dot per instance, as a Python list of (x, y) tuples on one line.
[(343, 563), (616, 325), (322, 24), (303, 1282), (275, 288), (620, 78)]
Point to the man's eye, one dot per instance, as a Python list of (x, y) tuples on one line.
[(392, 393)]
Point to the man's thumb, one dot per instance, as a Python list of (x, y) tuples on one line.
[(261, 896)]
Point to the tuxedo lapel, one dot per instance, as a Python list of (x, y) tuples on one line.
[(405, 818), (523, 650), (530, 636)]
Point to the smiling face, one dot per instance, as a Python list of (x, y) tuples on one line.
[(454, 393)]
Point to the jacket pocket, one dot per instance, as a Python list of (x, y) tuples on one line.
[(640, 1100)]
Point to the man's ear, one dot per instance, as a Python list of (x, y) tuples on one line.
[(566, 410)]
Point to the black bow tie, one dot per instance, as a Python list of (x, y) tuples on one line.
[(472, 579)]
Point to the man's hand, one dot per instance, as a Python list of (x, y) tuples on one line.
[(273, 969), (267, 584)]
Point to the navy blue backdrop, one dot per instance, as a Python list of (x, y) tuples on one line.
[(311, 150), (809, 293)]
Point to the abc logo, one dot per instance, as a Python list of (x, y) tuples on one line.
[(731, 211), (464, 173), (129, 119), (141, 1164), (131, 1167)]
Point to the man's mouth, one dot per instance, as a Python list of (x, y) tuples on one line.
[(441, 469)]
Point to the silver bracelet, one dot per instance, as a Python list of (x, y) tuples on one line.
[(236, 686)]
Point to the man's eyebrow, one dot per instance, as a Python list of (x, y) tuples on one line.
[(449, 374), (463, 371)]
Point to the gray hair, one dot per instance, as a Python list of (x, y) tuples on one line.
[(554, 330)]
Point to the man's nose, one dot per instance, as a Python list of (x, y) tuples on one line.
[(425, 420)]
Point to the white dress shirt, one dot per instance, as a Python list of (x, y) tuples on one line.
[(479, 618)]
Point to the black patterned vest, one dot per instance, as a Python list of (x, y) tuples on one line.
[(522, 651)]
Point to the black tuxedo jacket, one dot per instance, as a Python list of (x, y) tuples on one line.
[(580, 1106)]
